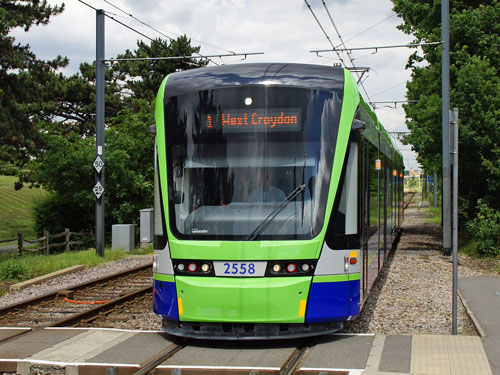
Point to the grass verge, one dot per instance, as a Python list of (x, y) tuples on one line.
[(434, 215), (16, 214), (15, 269)]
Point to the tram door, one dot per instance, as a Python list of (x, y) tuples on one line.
[(364, 179)]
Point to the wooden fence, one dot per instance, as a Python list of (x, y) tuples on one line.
[(46, 243)]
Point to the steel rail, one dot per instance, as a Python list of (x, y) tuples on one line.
[(156, 360), (409, 200), (291, 365), (52, 295), (94, 312)]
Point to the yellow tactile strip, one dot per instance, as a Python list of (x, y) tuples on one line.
[(448, 355)]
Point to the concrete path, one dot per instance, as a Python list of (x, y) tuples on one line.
[(91, 351)]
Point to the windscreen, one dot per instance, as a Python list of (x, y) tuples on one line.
[(250, 162)]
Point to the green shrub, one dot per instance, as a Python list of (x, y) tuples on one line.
[(53, 214), (8, 169), (14, 271), (485, 229)]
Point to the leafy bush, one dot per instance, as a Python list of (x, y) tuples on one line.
[(55, 214), (8, 169), (485, 229), (13, 270)]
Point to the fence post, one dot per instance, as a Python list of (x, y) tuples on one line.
[(66, 239), (46, 242), (20, 243)]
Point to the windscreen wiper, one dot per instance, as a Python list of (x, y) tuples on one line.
[(252, 236)]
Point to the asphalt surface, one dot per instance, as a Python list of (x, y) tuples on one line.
[(482, 294)]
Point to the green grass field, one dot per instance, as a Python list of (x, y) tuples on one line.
[(16, 209)]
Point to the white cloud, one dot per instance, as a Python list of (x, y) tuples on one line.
[(283, 29)]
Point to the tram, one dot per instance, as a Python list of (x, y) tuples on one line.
[(278, 195)]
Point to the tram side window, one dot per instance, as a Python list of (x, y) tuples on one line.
[(373, 205), (382, 202), (343, 227), (388, 198)]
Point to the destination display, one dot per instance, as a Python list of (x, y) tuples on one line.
[(251, 120)]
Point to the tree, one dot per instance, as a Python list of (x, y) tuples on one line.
[(64, 166), (475, 90), (143, 78), (23, 80), (65, 170)]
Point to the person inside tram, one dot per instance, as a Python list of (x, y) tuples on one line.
[(262, 190)]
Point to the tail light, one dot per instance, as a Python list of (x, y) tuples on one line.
[(291, 268)]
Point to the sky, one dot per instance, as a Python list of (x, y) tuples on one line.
[(284, 30)]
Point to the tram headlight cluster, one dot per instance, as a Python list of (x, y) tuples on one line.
[(289, 268), (187, 267)]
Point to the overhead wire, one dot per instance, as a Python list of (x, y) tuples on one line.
[(348, 53), (108, 15), (368, 29), (128, 27), (325, 33), (121, 23), (390, 88), (159, 31)]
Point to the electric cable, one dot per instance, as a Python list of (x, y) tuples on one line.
[(348, 53), (121, 23), (324, 32), (160, 32), (107, 14), (368, 29), (85, 302)]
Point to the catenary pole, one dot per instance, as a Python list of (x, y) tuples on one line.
[(99, 140), (445, 85), (454, 134)]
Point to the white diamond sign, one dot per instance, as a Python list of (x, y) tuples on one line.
[(98, 190), (98, 164)]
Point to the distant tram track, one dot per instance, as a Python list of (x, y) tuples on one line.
[(407, 201), (68, 306)]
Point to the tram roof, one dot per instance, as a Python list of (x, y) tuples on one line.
[(280, 74)]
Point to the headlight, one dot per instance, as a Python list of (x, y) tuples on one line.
[(155, 262)]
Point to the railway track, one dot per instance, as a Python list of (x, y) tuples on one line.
[(407, 201), (289, 367), (83, 302)]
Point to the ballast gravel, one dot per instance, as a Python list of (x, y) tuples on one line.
[(413, 294), (66, 281)]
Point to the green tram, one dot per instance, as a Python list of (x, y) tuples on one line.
[(278, 195)]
